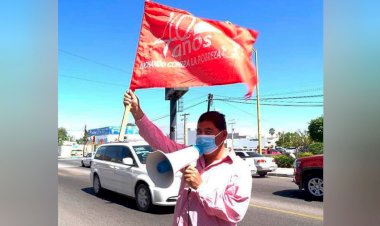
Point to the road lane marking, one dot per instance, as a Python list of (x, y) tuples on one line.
[(289, 212)]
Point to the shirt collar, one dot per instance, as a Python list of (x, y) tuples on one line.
[(230, 157)]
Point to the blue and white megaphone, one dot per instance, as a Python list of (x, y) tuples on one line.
[(162, 167)]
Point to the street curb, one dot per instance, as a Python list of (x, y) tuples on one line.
[(69, 158), (280, 175)]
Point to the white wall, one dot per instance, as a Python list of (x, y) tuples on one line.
[(64, 151)]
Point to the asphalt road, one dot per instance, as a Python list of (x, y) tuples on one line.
[(274, 201)]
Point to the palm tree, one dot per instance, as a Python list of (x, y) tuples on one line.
[(271, 131)]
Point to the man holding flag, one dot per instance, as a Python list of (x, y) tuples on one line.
[(177, 49), (220, 182)]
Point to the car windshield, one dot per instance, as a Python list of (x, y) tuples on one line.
[(241, 154), (142, 152), (253, 154)]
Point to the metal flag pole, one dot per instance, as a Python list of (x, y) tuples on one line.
[(258, 102)]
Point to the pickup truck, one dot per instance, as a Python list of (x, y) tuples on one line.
[(308, 175)]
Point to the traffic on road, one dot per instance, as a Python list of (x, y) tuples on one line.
[(274, 201)]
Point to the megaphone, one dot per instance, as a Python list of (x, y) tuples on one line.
[(162, 167)]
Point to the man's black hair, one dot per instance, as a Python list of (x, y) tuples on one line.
[(216, 118)]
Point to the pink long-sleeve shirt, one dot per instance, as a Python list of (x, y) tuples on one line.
[(221, 199)]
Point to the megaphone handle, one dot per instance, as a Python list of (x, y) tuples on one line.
[(188, 206), (193, 164)]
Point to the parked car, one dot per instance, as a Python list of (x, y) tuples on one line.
[(291, 150), (244, 149), (308, 175), (250, 161), (120, 167), (86, 161), (263, 164), (280, 149), (273, 152)]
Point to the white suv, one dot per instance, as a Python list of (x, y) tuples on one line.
[(120, 167)]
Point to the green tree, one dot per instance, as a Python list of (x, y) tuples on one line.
[(62, 135), (83, 139), (271, 131), (316, 129), (294, 139), (286, 139), (303, 140), (316, 148)]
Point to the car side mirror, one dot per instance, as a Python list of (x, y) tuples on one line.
[(128, 161)]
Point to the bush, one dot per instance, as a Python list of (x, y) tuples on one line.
[(303, 154), (316, 148), (284, 161)]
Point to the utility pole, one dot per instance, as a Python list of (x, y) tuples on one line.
[(210, 96), (180, 104), (173, 118), (184, 128), (232, 123), (258, 101), (173, 94)]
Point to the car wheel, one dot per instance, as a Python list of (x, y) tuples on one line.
[(262, 174), (97, 186), (143, 198), (82, 163), (313, 185)]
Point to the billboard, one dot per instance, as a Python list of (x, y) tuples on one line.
[(112, 130)]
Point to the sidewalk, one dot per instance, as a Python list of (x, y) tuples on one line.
[(282, 172), (69, 158)]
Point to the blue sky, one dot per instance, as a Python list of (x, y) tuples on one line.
[(97, 47)]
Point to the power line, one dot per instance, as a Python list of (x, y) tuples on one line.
[(194, 105), (229, 99), (161, 117), (283, 93), (295, 102), (246, 112), (100, 82), (299, 91), (186, 108), (94, 61), (249, 113), (290, 105), (196, 98), (91, 80), (275, 101), (293, 97), (284, 105), (269, 98)]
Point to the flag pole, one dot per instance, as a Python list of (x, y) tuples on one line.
[(124, 122), (127, 108), (258, 102)]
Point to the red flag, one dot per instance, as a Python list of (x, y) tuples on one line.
[(177, 49)]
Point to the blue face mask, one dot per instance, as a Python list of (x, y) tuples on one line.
[(206, 144)]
